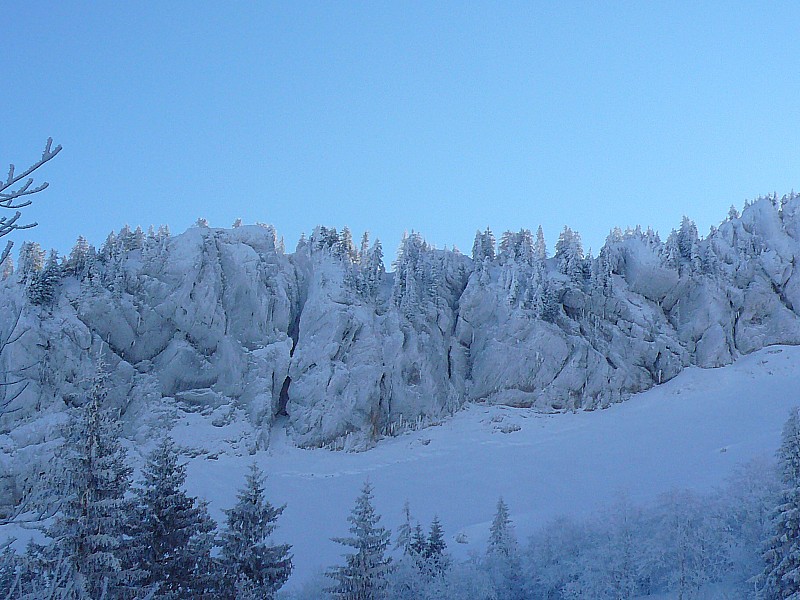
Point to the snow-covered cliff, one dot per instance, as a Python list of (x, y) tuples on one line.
[(223, 324)]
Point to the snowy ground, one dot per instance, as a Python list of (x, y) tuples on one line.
[(687, 433)]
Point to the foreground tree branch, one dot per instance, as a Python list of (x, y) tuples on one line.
[(14, 191)]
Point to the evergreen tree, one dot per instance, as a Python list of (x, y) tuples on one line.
[(78, 259), (540, 247), (484, 246), (90, 533), (436, 558), (8, 267), (781, 577), (42, 289), (502, 556), (31, 260), (364, 576), (569, 254), (418, 541), (174, 534), (249, 561), (405, 532), (502, 540)]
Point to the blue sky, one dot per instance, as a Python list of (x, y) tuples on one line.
[(390, 116)]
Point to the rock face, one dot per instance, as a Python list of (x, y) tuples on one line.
[(326, 344)]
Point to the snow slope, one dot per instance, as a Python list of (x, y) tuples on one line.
[(688, 433)]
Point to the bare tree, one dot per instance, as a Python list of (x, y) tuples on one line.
[(14, 192)]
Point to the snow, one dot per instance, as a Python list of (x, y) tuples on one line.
[(688, 433)]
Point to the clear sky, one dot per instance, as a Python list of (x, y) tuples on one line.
[(442, 117)]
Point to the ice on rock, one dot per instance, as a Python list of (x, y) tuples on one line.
[(339, 352)]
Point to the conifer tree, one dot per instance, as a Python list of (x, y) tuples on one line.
[(248, 558), (42, 289), (174, 533), (31, 260), (418, 541), (436, 558), (540, 247), (364, 575), (781, 577), (569, 254), (502, 556), (502, 540), (90, 533), (405, 532)]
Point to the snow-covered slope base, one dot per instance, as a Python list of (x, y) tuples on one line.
[(688, 433)]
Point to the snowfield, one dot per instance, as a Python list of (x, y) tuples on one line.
[(688, 433)]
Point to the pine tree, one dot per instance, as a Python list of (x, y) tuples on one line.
[(502, 556), (8, 267), (78, 259), (436, 557), (502, 540), (31, 260), (364, 576), (540, 247), (90, 533), (781, 577), (418, 541), (405, 532), (42, 289), (249, 561), (174, 533), (569, 254)]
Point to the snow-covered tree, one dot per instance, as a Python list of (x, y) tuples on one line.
[(15, 192), (91, 531), (436, 558), (249, 560), (42, 288), (174, 533), (781, 577), (80, 257), (502, 556), (539, 246), (31, 260), (569, 254), (484, 246), (8, 267), (405, 531), (364, 574), (502, 540)]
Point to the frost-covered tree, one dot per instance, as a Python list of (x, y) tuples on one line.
[(31, 260), (405, 531), (484, 246), (416, 276), (15, 192), (781, 577), (364, 574), (502, 556), (346, 249), (539, 246), (42, 288), (436, 558), (249, 559), (502, 540), (80, 257), (174, 533), (689, 547), (569, 254), (8, 268), (91, 531)]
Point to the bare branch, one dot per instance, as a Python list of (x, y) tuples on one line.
[(8, 195)]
